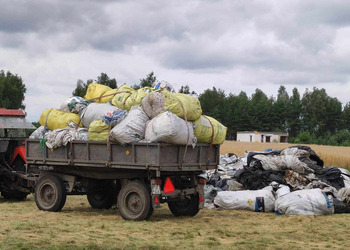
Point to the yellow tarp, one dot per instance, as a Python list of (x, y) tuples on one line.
[(122, 95), (57, 119), (96, 90), (203, 130), (98, 131)]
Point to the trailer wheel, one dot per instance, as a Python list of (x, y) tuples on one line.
[(102, 195), (14, 195), (134, 201), (50, 193), (187, 207)]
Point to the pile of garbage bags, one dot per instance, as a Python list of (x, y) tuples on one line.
[(125, 115), (291, 181)]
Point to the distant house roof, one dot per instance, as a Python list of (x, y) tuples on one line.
[(263, 133)]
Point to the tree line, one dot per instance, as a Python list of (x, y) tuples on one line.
[(312, 118)]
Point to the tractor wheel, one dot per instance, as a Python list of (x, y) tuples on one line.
[(50, 193), (134, 201), (102, 195), (187, 207)]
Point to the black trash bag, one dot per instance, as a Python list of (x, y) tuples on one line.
[(332, 176), (312, 164), (254, 177), (340, 207)]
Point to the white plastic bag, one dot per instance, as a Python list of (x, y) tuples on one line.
[(305, 202), (132, 128), (169, 128), (254, 200), (96, 111)]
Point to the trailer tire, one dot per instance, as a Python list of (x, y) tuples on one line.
[(14, 195), (50, 193), (187, 207), (102, 195), (134, 201)]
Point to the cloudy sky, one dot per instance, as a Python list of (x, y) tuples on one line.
[(235, 45)]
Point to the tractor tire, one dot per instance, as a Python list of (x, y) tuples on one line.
[(14, 195), (102, 195), (50, 193), (134, 201), (187, 207)]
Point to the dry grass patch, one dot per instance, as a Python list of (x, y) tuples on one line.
[(78, 226), (331, 155)]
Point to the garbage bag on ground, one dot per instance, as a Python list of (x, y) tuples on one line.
[(96, 111), (254, 178), (282, 190), (56, 119), (162, 100), (96, 90), (74, 104), (282, 162), (257, 200), (122, 96), (132, 128), (207, 129), (169, 128), (305, 202), (98, 131)]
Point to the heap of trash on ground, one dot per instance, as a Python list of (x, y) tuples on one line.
[(292, 181)]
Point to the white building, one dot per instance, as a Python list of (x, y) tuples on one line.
[(255, 136)]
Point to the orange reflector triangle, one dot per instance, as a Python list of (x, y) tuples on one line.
[(156, 200), (168, 186)]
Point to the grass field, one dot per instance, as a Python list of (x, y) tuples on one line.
[(78, 226)]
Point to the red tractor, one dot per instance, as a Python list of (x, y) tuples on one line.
[(14, 129)]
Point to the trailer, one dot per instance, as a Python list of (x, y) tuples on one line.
[(137, 177)]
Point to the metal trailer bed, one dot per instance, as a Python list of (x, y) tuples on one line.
[(136, 156), (137, 176)]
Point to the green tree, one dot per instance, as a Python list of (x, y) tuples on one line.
[(81, 87), (280, 111), (12, 90), (185, 89), (294, 113), (261, 110), (146, 82), (105, 80)]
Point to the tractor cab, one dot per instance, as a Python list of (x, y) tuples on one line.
[(14, 129)]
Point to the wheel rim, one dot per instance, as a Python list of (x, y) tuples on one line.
[(48, 195), (133, 203)]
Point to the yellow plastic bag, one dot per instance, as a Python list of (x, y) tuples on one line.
[(191, 105), (98, 131), (56, 119), (95, 90), (108, 96), (136, 97), (203, 130), (122, 95), (160, 101)]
